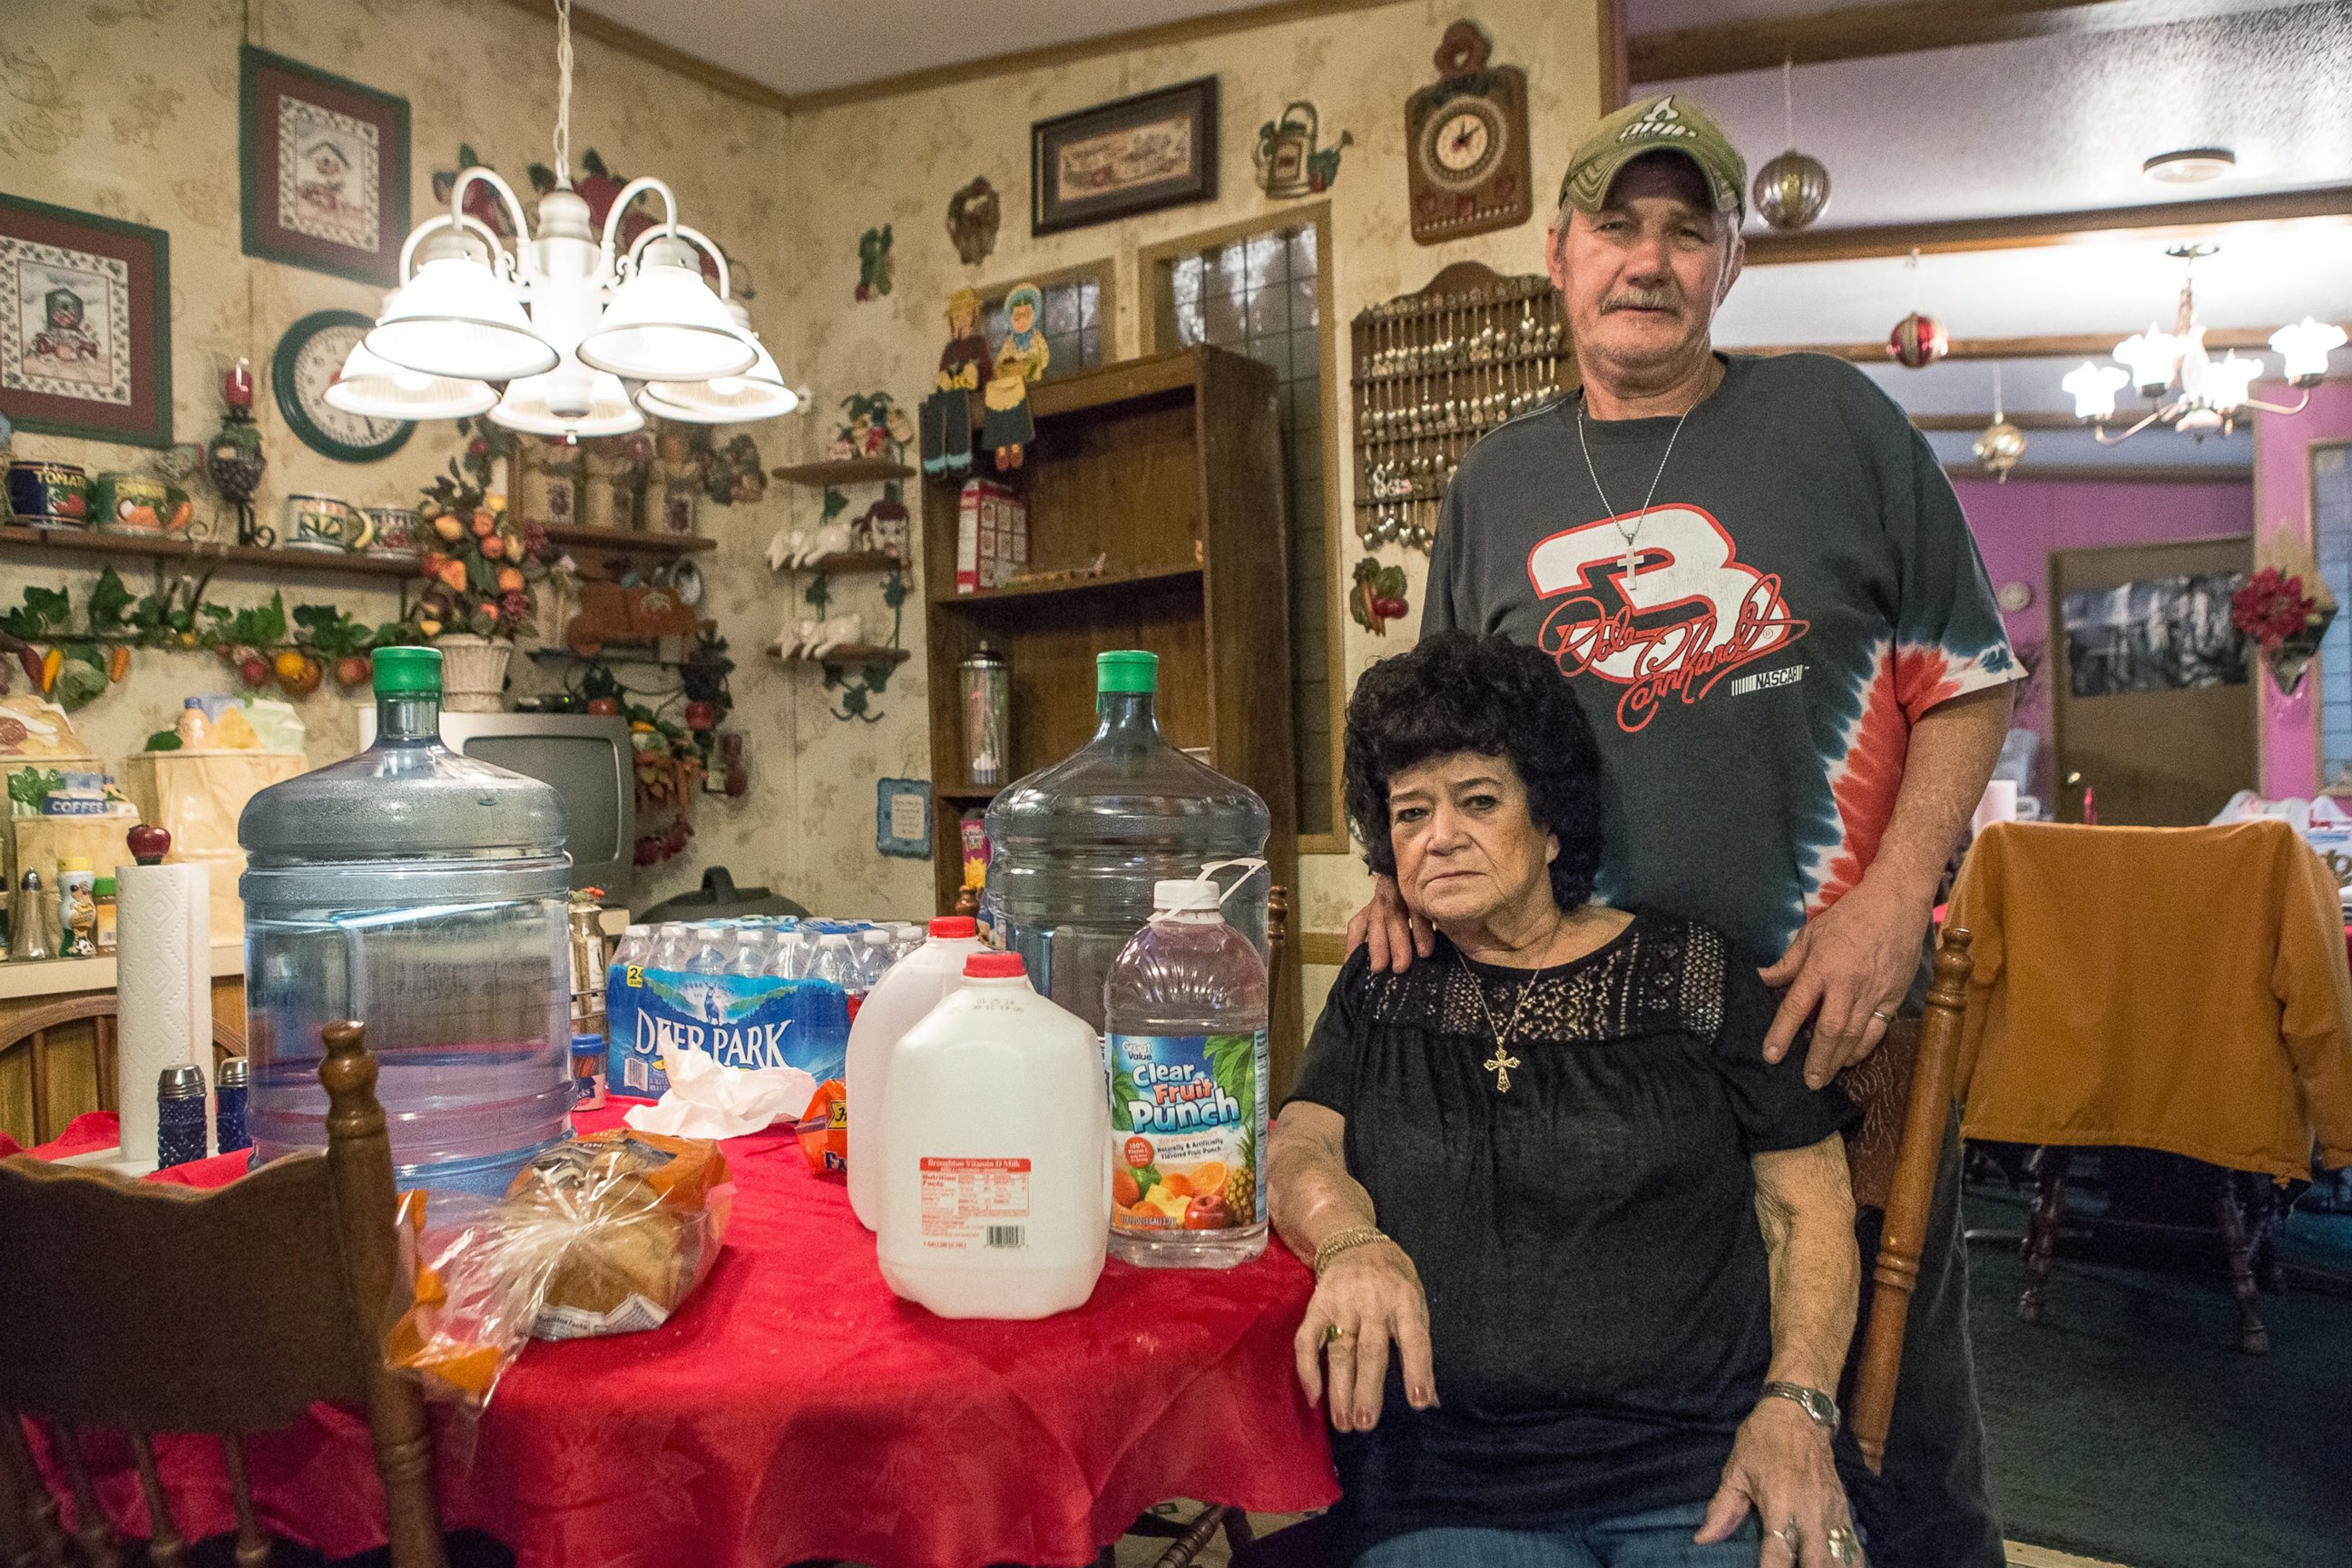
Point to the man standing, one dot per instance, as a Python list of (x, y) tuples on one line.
[(1757, 580)]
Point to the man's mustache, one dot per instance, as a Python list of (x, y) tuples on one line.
[(1659, 299)]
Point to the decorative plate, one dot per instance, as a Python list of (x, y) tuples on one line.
[(308, 358), (2015, 596)]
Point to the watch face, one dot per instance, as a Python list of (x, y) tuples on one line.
[(308, 358), (1462, 143)]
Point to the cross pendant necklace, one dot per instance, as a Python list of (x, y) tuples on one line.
[(1500, 1064), (1628, 534)]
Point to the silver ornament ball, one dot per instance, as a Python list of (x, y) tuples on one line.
[(1791, 190)]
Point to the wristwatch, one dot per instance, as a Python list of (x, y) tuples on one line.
[(1811, 1401)]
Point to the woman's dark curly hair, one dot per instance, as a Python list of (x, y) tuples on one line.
[(1461, 692)]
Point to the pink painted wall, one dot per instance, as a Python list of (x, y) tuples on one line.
[(2019, 523), (2282, 501)]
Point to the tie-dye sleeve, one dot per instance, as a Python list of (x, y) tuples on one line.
[(1948, 638)]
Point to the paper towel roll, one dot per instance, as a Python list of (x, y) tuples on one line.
[(163, 982), (1998, 805)]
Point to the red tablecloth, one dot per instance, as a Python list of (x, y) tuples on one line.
[(794, 1409)]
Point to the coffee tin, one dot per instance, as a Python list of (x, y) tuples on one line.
[(320, 522), (394, 530), (50, 495), (134, 503)]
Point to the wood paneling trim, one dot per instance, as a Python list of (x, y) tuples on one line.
[(2083, 345), (2186, 219), (1330, 947), (1863, 32), (1616, 60), (2020, 417), (2114, 474)]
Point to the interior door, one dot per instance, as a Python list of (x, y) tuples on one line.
[(2152, 697)]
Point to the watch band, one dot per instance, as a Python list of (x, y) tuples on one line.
[(1811, 1401)]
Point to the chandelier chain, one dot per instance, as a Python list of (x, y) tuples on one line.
[(1789, 98), (564, 94)]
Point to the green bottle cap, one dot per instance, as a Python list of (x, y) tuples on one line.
[(407, 672), (103, 887), (1132, 671)]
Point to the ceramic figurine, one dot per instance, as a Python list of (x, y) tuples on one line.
[(972, 220), (1288, 163), (874, 264), (886, 528), (673, 482), (1021, 358), (946, 412), (784, 549), (839, 631), (797, 639)]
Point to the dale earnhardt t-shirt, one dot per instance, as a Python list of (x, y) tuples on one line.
[(1804, 589)]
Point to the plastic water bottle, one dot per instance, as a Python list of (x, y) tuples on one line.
[(874, 956), (995, 1136), (673, 940), (425, 892), (833, 961), (1187, 1053), (916, 984), (1076, 848), (788, 957), (711, 949), (636, 944), (749, 953)]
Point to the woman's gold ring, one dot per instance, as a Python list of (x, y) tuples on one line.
[(1333, 1333)]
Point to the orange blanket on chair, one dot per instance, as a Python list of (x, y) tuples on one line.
[(2174, 988)]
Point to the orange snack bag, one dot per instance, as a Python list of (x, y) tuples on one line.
[(823, 1130)]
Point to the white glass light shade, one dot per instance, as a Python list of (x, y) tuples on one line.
[(375, 387), (2304, 346), (455, 318), (758, 393), (2227, 379), (2094, 388), (2150, 356), (665, 324), (569, 401)]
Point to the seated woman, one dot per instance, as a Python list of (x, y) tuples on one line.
[(1612, 1246)]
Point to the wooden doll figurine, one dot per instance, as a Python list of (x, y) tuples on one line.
[(946, 412), (1021, 358)]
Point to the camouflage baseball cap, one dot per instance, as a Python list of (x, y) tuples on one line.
[(1670, 123)]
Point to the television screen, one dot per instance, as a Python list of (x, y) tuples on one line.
[(589, 771)]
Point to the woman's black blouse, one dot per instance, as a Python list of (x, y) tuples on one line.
[(1598, 1296)]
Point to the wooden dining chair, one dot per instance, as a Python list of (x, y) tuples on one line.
[(79, 1026), (291, 1271), (1904, 1089)]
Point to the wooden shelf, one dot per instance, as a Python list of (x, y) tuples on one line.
[(630, 541), (1151, 575), (852, 471), (86, 541), (854, 561), (849, 654), (969, 794)]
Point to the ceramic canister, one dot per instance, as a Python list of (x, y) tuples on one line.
[(134, 503), (50, 495), (395, 531), (320, 522)]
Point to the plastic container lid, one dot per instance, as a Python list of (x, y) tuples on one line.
[(74, 863), (408, 669), (1130, 669), (103, 887), (832, 939), (875, 937), (1184, 896), (955, 928), (587, 1045), (995, 966)]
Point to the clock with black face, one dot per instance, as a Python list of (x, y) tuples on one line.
[(308, 358), (1468, 168)]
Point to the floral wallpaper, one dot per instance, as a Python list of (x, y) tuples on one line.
[(790, 198)]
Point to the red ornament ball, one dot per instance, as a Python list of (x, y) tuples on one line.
[(1917, 342)]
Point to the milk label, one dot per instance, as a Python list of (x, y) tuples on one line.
[(1188, 1118)]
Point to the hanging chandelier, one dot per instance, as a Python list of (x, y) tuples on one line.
[(2213, 394), (580, 337)]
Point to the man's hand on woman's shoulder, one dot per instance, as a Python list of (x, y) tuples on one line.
[(1393, 933)]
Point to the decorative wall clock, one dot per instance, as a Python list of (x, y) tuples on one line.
[(309, 357), (1468, 162)]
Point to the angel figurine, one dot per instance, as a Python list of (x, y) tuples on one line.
[(946, 412), (1021, 358)]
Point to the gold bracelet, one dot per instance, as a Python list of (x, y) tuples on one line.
[(1340, 1241)]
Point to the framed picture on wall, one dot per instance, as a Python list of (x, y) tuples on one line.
[(1135, 156), (324, 168), (86, 336)]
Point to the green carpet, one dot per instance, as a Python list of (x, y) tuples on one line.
[(2127, 1427)]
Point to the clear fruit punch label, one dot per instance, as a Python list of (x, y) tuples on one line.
[(1188, 1114)]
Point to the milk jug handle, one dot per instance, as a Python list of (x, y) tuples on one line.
[(1209, 874)]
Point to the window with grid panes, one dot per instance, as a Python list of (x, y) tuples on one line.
[(1071, 321), (1261, 295), (2331, 527)]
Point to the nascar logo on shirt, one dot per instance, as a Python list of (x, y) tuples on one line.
[(1688, 614)]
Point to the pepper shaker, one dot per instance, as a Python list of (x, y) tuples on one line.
[(229, 1088), (179, 1116)]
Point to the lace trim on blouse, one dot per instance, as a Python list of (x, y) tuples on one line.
[(1656, 976)]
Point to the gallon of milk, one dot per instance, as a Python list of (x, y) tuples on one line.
[(996, 1140), (912, 988)]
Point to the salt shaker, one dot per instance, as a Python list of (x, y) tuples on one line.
[(179, 1116), (228, 1105), (588, 1052)]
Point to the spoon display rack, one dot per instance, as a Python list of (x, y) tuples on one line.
[(1435, 371)]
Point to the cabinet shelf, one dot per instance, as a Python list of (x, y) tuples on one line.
[(843, 471), (630, 541), (83, 542), (847, 654), (1147, 576), (853, 561)]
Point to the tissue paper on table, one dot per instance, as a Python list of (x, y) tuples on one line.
[(708, 1099)]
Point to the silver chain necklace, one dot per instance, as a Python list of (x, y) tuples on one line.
[(1628, 534)]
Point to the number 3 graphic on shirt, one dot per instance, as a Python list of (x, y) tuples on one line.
[(1689, 597)]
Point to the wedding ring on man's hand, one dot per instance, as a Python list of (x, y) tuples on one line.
[(1841, 1545), (1787, 1536), (1882, 1015)]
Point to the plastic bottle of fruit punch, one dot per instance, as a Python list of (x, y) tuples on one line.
[(1186, 1009), (994, 1138), (915, 984)]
